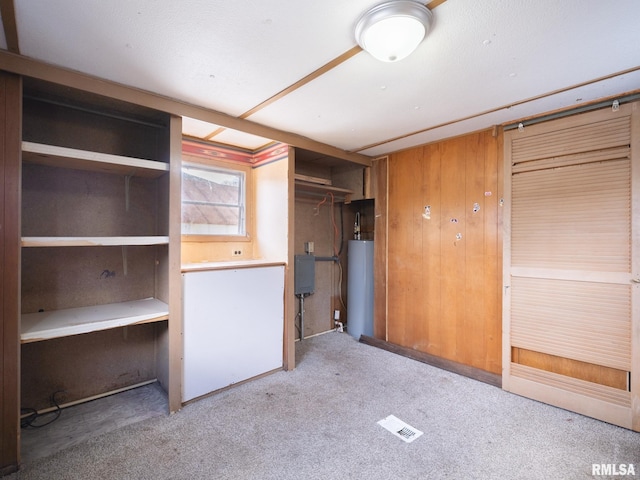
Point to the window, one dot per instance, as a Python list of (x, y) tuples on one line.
[(214, 200)]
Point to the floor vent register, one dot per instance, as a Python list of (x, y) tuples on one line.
[(400, 429)]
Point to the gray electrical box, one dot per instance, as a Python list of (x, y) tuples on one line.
[(304, 274)]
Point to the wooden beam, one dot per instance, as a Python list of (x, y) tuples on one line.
[(175, 346), (10, 173), (70, 78), (8, 13)]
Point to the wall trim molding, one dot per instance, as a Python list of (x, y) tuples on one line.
[(439, 362)]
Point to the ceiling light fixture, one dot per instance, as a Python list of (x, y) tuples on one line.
[(392, 30)]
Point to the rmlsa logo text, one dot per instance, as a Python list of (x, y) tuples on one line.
[(609, 469)]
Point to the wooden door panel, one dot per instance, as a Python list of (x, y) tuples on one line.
[(569, 316)]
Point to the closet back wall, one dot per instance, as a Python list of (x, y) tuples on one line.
[(445, 250), (63, 201)]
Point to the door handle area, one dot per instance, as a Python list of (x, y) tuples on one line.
[(635, 280)]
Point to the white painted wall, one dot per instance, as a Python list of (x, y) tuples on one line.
[(271, 213)]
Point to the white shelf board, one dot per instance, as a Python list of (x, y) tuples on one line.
[(73, 321), (55, 156), (93, 241)]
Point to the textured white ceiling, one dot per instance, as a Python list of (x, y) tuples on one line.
[(480, 58)]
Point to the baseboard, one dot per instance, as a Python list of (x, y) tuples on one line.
[(9, 469), (444, 364)]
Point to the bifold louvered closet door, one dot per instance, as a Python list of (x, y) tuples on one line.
[(571, 270)]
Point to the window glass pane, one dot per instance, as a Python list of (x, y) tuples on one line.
[(213, 201)]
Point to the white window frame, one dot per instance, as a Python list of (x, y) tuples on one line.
[(245, 203)]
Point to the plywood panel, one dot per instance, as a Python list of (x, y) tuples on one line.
[(81, 128), (112, 205), (124, 356), (67, 277), (572, 368), (314, 223)]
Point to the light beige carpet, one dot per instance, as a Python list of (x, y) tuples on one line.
[(320, 422)]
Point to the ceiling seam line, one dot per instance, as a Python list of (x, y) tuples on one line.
[(497, 109)]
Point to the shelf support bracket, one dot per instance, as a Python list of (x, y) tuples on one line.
[(124, 260), (127, 183)]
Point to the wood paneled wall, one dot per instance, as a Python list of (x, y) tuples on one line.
[(444, 250)]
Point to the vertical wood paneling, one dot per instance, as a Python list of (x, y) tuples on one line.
[(474, 242), (405, 253), (380, 253), (10, 135), (453, 280), (450, 305), (432, 258)]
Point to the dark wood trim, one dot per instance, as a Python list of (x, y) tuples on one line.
[(444, 364), (70, 78), (10, 175), (8, 12)]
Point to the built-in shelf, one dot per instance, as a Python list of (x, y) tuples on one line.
[(93, 241), (310, 179), (54, 156), (73, 321), (316, 189)]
